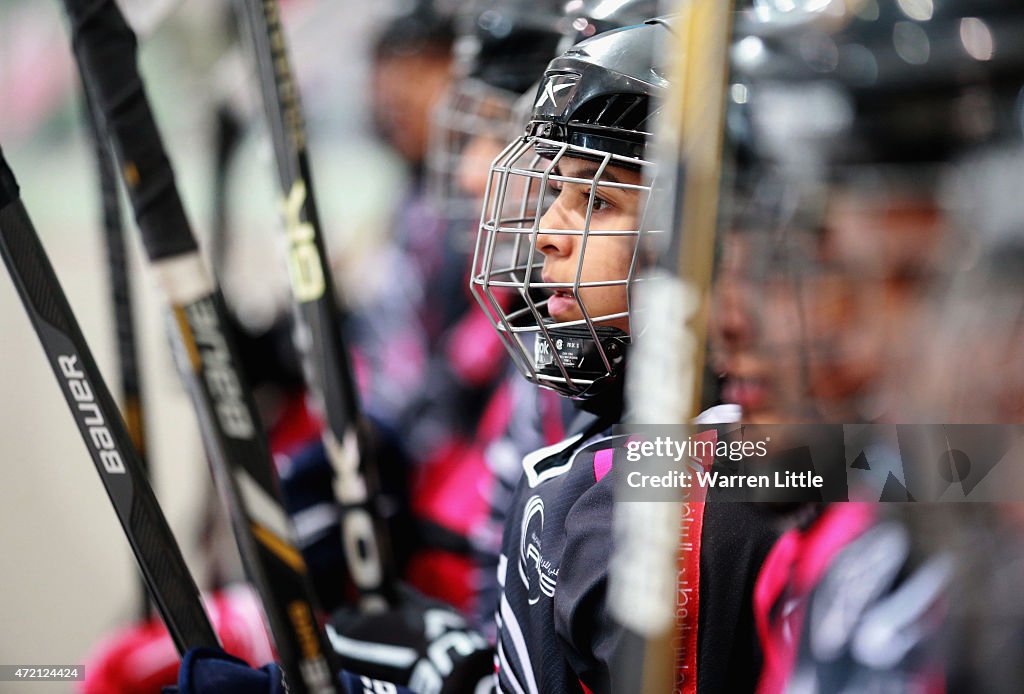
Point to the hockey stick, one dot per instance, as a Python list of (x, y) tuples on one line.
[(124, 316), (665, 385), (319, 338), (105, 48), (119, 465), (227, 136)]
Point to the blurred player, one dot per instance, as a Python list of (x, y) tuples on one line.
[(855, 132)]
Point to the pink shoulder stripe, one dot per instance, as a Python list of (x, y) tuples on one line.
[(603, 462)]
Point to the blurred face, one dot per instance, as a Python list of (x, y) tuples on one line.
[(814, 325), (481, 147), (406, 90), (877, 256), (605, 258), (758, 328)]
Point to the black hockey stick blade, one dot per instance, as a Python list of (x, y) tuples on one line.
[(327, 365), (105, 48), (170, 584)]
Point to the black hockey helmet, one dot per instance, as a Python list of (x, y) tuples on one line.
[(507, 44), (599, 93), (595, 103), (901, 82), (585, 19), (502, 49)]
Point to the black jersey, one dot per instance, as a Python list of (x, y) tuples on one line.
[(555, 632)]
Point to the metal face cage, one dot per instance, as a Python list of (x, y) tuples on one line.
[(471, 109), (570, 356)]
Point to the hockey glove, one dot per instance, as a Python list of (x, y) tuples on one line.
[(205, 670), (209, 671), (422, 643)]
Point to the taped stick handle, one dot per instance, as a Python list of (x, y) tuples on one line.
[(102, 40)]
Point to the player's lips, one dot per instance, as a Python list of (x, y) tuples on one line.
[(561, 302), (750, 393)]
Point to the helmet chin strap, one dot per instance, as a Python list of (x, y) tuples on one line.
[(580, 354)]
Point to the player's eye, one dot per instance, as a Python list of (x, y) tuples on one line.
[(554, 188), (600, 204)]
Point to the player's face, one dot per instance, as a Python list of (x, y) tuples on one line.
[(605, 258), (482, 146), (757, 329), (406, 90), (875, 256), (820, 332)]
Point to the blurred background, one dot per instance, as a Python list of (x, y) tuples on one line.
[(68, 575)]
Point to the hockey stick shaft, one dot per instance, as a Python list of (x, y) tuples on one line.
[(228, 136), (669, 360), (119, 465), (105, 48), (121, 296), (327, 367)]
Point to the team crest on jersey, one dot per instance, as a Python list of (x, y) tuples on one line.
[(555, 93), (538, 574)]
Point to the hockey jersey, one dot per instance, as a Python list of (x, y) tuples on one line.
[(554, 630)]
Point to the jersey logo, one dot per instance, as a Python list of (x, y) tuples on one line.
[(537, 574), (556, 93), (538, 464)]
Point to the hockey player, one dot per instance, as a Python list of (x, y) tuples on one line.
[(863, 202), (503, 48), (561, 225), (518, 418), (453, 404), (477, 417), (577, 239)]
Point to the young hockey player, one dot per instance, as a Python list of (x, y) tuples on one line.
[(562, 218), (477, 416), (577, 239), (434, 369), (432, 359)]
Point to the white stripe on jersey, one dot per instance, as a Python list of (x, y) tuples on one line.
[(505, 668), (502, 569), (532, 459), (511, 627)]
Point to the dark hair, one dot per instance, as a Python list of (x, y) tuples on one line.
[(423, 29)]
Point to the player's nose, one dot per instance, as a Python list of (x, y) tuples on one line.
[(549, 241)]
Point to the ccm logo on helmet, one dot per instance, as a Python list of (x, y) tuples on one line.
[(92, 418), (555, 94)]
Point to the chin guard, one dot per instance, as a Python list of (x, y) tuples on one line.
[(574, 349)]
